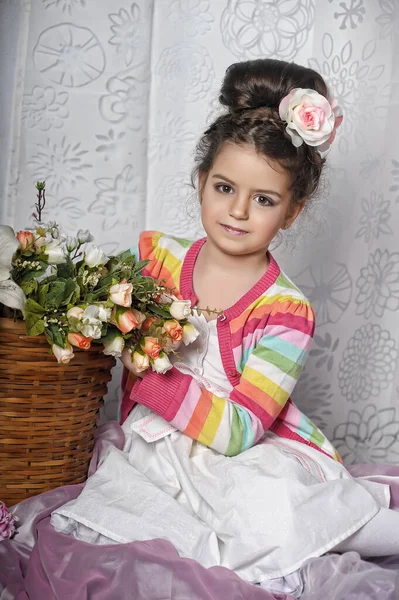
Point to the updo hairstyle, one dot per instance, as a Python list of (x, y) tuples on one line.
[(251, 92)]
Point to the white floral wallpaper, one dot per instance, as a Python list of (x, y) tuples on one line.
[(107, 101)]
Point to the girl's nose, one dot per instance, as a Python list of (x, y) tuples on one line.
[(239, 207)]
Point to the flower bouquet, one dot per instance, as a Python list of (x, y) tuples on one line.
[(66, 310), (71, 292)]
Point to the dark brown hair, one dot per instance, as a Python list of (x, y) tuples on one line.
[(252, 92)]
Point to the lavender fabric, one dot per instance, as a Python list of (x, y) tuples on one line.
[(41, 564)]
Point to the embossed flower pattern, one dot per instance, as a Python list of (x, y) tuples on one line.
[(125, 101), (388, 17), (69, 55), (185, 70), (128, 33), (180, 212), (45, 108), (120, 201), (351, 78), (368, 363), (324, 353), (66, 5), (313, 397), (378, 284), (172, 134), (329, 292), (191, 16), (254, 28), (375, 218), (370, 436), (61, 165)]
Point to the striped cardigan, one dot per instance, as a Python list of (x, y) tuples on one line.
[(264, 339)]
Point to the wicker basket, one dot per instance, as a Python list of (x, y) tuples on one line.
[(48, 413)]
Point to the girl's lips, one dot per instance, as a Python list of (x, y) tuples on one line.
[(233, 230)]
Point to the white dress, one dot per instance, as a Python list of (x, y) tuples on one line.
[(261, 513)]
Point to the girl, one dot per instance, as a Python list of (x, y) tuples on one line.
[(238, 476)]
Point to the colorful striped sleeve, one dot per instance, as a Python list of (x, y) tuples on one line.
[(233, 424)]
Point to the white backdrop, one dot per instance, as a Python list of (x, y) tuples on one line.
[(105, 100)]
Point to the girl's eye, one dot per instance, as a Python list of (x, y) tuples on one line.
[(264, 201), (224, 188)]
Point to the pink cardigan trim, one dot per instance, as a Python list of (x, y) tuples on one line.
[(223, 328)]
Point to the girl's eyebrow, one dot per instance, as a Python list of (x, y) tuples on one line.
[(220, 176)]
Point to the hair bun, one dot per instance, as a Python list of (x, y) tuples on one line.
[(265, 82)]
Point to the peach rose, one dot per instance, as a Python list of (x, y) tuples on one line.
[(152, 347), (125, 320), (147, 323), (174, 330), (140, 362), (121, 294), (76, 312), (79, 340), (25, 238)]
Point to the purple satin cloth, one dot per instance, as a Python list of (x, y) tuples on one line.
[(41, 564)]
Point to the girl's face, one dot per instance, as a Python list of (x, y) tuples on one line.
[(245, 200)]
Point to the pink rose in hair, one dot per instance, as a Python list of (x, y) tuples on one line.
[(310, 117)]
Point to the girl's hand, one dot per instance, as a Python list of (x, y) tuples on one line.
[(127, 362)]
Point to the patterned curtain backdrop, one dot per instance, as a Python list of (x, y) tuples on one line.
[(106, 101)]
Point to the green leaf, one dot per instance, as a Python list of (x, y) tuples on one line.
[(38, 328), (71, 293), (56, 335), (55, 294), (33, 313), (140, 265), (28, 275), (67, 269), (29, 287), (43, 289), (159, 311), (33, 307)]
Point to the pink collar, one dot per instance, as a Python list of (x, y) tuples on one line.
[(187, 289)]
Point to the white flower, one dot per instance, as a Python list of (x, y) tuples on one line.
[(190, 334), (55, 253), (95, 257), (114, 347), (8, 246), (71, 243), (104, 314), (63, 355), (180, 309), (84, 236), (161, 364), (90, 325)]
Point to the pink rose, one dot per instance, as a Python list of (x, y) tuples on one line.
[(121, 294), (125, 320), (25, 238), (79, 340), (309, 116), (152, 347)]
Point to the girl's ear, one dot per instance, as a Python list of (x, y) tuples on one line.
[(293, 212)]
